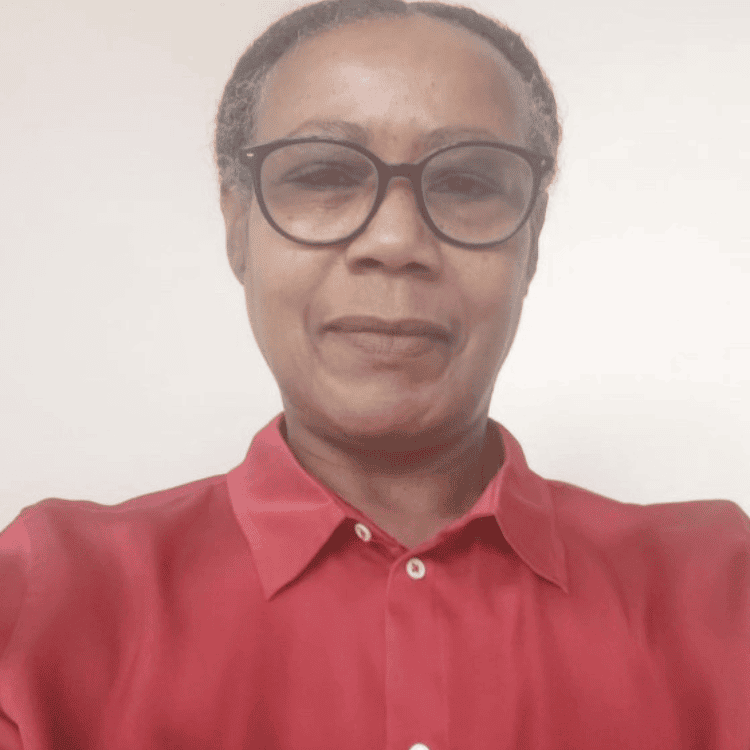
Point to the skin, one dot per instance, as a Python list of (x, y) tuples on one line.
[(404, 440)]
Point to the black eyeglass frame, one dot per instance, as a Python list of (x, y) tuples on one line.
[(252, 157)]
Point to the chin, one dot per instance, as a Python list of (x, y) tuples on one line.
[(399, 423)]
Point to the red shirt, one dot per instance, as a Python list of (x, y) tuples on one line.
[(259, 611)]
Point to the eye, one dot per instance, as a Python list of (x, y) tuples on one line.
[(465, 185), (327, 176)]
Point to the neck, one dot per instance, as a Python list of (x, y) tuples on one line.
[(410, 493)]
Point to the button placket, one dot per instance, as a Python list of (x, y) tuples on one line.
[(415, 662)]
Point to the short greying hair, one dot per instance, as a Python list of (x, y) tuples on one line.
[(235, 121)]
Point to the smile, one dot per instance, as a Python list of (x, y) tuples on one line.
[(388, 346)]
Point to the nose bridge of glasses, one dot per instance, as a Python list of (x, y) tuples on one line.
[(402, 174), (410, 172), (407, 216)]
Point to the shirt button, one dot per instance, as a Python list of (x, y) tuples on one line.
[(415, 569), (362, 532), (419, 746)]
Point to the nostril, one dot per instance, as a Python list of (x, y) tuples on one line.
[(369, 263)]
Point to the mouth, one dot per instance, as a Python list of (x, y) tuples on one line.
[(389, 340), (367, 324)]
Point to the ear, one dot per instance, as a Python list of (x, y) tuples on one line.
[(536, 222), (235, 207)]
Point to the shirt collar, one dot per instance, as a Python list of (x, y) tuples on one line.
[(287, 515)]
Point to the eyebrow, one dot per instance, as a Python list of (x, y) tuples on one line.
[(354, 132), (339, 128), (448, 135)]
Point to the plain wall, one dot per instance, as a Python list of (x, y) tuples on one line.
[(128, 364)]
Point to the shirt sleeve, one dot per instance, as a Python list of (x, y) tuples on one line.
[(15, 558)]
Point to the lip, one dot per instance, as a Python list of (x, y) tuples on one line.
[(402, 327)]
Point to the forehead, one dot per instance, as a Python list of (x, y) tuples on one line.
[(396, 79)]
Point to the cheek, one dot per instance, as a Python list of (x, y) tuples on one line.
[(495, 289), (280, 283), (267, 281)]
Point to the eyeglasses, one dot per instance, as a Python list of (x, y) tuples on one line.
[(323, 192)]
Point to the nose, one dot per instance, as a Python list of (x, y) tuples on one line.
[(397, 237)]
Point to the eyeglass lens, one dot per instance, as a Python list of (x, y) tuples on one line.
[(323, 192)]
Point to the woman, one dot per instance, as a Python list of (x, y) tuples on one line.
[(383, 570)]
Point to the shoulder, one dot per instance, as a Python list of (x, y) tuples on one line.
[(685, 525), (68, 527), (61, 552), (673, 580), (690, 557)]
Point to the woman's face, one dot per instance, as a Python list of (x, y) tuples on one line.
[(398, 85)]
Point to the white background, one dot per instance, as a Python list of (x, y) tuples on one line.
[(128, 365)]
